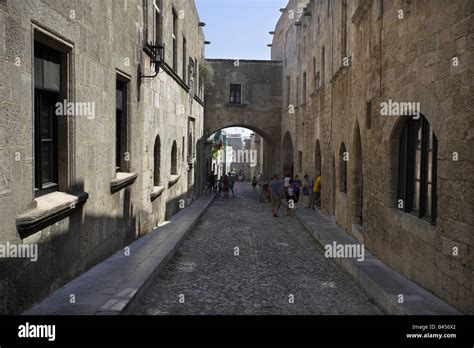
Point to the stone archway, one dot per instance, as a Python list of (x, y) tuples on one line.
[(287, 153), (270, 156)]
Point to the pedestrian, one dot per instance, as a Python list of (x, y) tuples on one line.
[(316, 191), (225, 186), (212, 182), (287, 179), (219, 185), (306, 188), (275, 192), (231, 184), (297, 187), (317, 198), (290, 198), (264, 194), (254, 183)]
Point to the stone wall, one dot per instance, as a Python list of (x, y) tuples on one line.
[(401, 51), (260, 109), (104, 38)]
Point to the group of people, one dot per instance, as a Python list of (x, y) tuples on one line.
[(221, 185), (289, 188)]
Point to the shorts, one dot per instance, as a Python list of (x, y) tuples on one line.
[(276, 202)]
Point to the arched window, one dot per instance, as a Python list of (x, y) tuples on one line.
[(174, 159), (343, 158), (156, 162), (417, 169)]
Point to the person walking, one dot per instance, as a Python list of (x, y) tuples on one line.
[(306, 188), (290, 198), (225, 187), (297, 188), (317, 184), (316, 192), (254, 183), (231, 184), (219, 186), (275, 192)]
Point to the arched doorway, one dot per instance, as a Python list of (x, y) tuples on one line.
[(287, 155), (257, 149), (358, 179), (174, 159)]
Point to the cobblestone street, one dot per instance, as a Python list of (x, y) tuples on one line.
[(278, 261)]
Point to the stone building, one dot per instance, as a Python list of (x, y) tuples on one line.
[(247, 93), (378, 96), (82, 178)]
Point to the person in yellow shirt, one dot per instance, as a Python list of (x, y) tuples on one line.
[(316, 194)]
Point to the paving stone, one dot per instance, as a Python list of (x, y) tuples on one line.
[(277, 257)]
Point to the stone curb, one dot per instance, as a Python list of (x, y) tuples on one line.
[(116, 285), (380, 282)]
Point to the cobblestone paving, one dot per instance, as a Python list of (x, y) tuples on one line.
[(277, 259)]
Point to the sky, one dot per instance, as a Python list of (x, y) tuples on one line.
[(239, 29)]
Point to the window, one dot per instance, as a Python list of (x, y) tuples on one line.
[(344, 29), (158, 21), (297, 91), (316, 82), (300, 161), (191, 146), (175, 40), (235, 94), (121, 125), (417, 169), (288, 91), (174, 159), (182, 149), (47, 93), (156, 161), (192, 74), (184, 61), (368, 115), (304, 87), (343, 157), (323, 65)]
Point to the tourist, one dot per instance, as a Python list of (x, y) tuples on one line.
[(317, 197), (219, 185), (275, 192), (316, 191), (254, 183), (232, 183), (290, 198), (306, 188), (297, 187), (225, 186)]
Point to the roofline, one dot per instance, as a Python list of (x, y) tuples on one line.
[(245, 60)]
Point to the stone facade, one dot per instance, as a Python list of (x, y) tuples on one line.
[(260, 107), (341, 61), (100, 43)]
